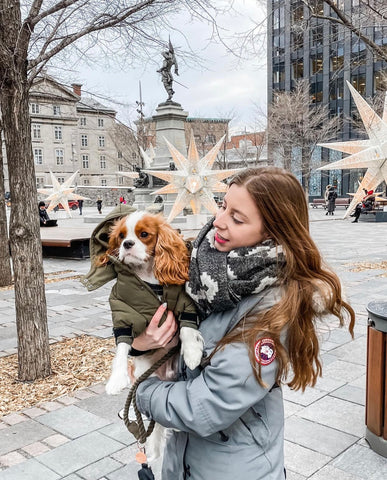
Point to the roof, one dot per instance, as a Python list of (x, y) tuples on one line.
[(90, 105)]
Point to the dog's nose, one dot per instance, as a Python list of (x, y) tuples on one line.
[(128, 244)]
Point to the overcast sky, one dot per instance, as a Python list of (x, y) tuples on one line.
[(222, 87)]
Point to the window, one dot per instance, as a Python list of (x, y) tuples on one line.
[(119, 154), (58, 132), (316, 64), (103, 182), (120, 180), (59, 155), (101, 141), (82, 121), (56, 110), (359, 82), (100, 122), (84, 141), (317, 35), (298, 69), (61, 180), (120, 167), (38, 156), (34, 108), (85, 161), (134, 156), (210, 139), (39, 182), (102, 161), (279, 73), (36, 131), (86, 181)]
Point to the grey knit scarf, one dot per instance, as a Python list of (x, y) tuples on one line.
[(218, 280)]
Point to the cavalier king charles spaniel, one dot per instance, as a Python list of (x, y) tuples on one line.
[(157, 254)]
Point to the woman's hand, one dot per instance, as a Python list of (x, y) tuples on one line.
[(155, 336)]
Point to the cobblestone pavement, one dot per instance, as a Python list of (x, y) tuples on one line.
[(81, 437)]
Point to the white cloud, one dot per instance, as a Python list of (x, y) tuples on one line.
[(224, 86)]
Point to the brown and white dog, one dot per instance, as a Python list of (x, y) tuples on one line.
[(158, 255)]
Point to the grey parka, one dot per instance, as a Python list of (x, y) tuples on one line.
[(230, 426)]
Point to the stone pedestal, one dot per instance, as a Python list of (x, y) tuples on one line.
[(169, 119)]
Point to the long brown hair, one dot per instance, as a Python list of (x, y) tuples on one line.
[(281, 202)]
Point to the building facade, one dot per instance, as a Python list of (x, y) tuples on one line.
[(328, 55), (72, 133)]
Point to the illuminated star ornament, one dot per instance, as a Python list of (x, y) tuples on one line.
[(61, 193), (193, 180), (370, 154)]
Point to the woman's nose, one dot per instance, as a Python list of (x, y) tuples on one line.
[(219, 220)]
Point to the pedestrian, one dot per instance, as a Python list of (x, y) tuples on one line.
[(121, 199), (332, 195), (99, 205), (326, 193), (259, 280), (80, 206)]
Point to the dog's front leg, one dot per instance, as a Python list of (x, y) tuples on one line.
[(191, 346), (119, 378)]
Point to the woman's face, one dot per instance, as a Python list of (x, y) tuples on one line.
[(238, 222)]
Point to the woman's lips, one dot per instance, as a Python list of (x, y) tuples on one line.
[(220, 239)]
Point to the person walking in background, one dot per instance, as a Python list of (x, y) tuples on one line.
[(99, 205), (332, 195), (259, 282), (326, 193), (80, 206)]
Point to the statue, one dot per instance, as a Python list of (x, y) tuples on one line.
[(165, 70), (142, 181)]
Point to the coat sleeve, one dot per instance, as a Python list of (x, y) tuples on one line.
[(214, 400)]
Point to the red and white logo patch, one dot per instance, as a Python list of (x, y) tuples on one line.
[(264, 351)]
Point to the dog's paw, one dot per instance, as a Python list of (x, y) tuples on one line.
[(116, 384), (191, 347)]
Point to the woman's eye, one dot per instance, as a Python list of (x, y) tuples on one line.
[(121, 235), (144, 234), (238, 222)]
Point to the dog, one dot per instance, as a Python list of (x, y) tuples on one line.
[(157, 258)]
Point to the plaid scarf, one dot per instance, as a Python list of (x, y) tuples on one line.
[(219, 280)]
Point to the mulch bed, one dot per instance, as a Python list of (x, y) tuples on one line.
[(76, 363), (362, 266)]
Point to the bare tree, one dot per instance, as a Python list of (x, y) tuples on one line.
[(5, 261), (295, 129), (34, 33), (362, 14)]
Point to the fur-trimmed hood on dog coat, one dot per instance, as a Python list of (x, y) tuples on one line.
[(133, 303)]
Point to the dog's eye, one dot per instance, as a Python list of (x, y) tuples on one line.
[(121, 235), (144, 234)]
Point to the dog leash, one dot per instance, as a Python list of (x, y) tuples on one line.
[(137, 427)]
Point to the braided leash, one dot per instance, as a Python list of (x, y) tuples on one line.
[(137, 427)]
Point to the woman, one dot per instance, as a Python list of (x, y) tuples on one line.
[(332, 195), (264, 289)]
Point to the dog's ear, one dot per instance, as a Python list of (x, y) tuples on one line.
[(171, 256), (114, 242)]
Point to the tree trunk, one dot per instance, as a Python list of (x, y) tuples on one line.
[(24, 233), (5, 259)]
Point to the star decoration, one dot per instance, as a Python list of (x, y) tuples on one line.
[(193, 180), (61, 193), (148, 157), (370, 154)]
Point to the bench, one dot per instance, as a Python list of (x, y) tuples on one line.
[(318, 201), (65, 242), (340, 202), (76, 249), (375, 215)]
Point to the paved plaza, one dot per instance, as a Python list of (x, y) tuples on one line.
[(81, 437)]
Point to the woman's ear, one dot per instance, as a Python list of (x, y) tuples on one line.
[(171, 257)]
